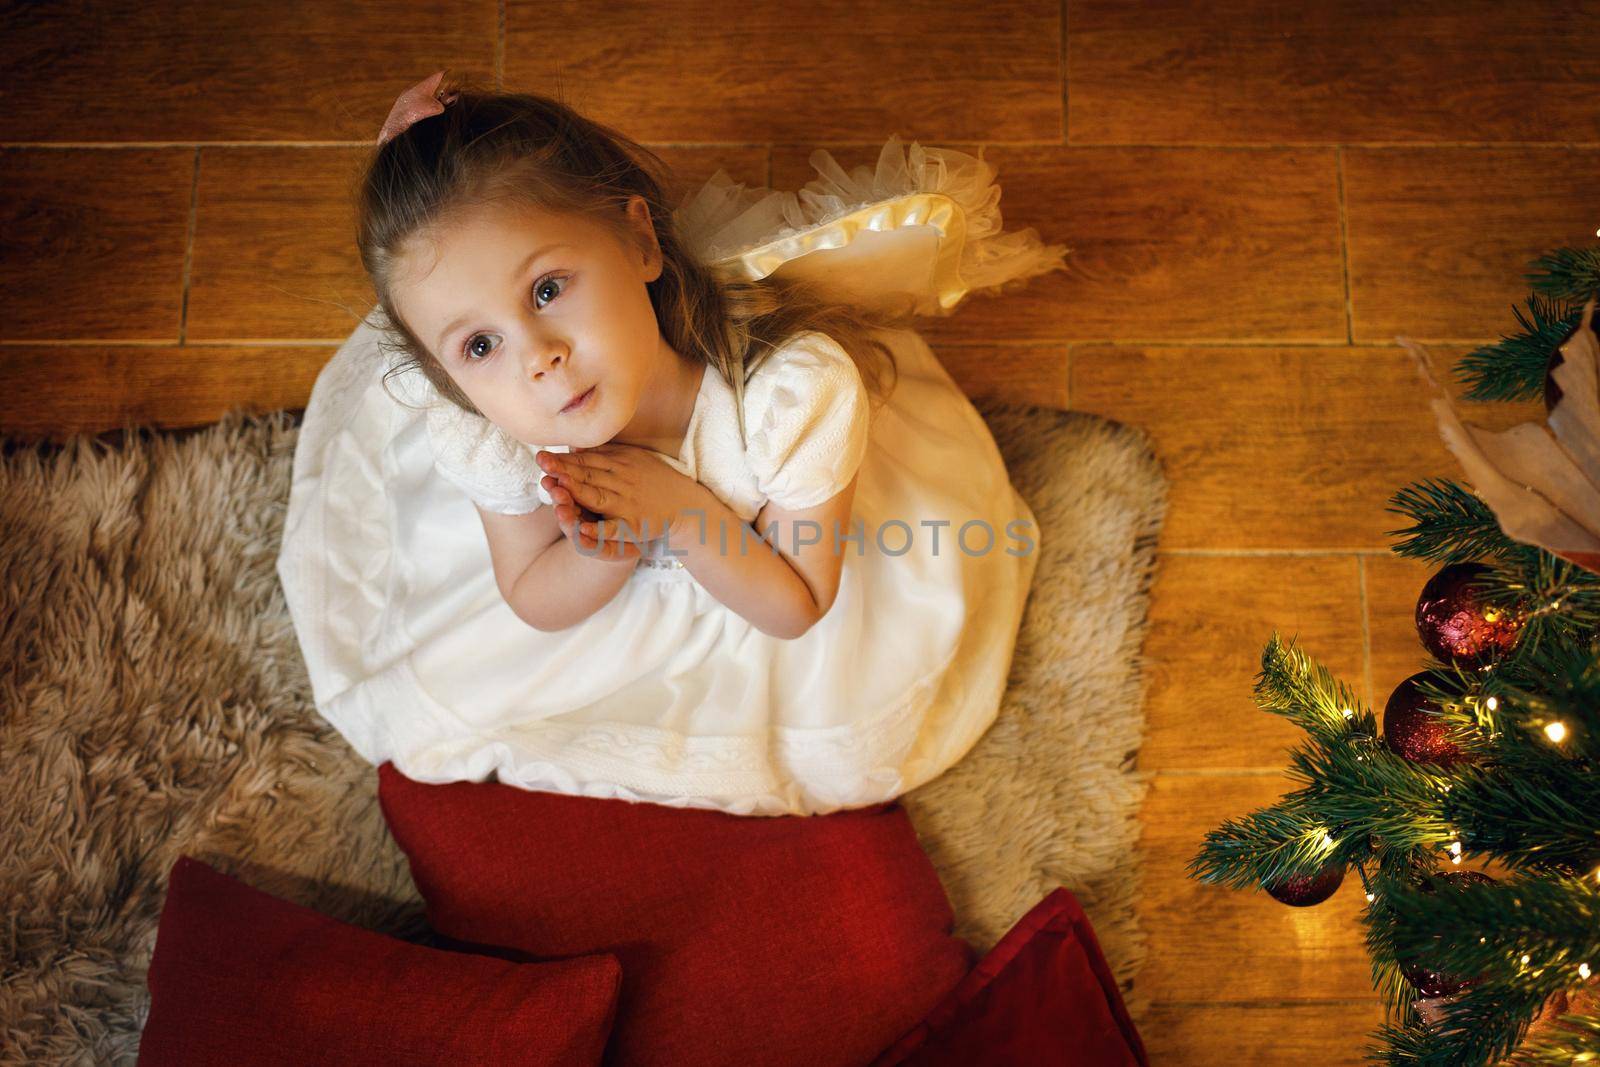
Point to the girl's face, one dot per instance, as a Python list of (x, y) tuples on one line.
[(527, 310)]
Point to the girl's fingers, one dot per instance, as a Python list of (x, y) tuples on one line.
[(558, 492), (570, 518), (588, 470), (567, 515), (585, 461), (591, 476), (578, 523), (610, 535), (611, 531), (594, 497), (592, 542)]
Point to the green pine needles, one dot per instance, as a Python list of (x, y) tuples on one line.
[(1524, 799), (1514, 367)]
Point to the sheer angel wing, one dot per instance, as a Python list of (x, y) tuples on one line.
[(1541, 480), (921, 228)]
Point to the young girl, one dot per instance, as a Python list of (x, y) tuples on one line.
[(662, 505)]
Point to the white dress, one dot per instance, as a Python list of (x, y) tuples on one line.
[(665, 695)]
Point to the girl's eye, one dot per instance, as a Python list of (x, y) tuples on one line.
[(476, 355)]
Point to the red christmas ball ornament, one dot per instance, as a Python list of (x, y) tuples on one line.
[(1428, 981), (1454, 623), (1413, 728), (1304, 890)]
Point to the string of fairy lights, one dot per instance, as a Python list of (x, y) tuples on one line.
[(1556, 731)]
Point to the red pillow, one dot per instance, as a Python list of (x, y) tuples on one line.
[(1044, 994), (744, 940), (242, 977)]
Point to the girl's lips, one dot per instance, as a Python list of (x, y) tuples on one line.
[(580, 402)]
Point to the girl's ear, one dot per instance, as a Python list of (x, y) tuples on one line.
[(645, 231)]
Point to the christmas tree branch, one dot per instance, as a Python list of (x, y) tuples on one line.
[(1513, 368), (1554, 596), (1291, 684), (1568, 273), (1369, 791), (1522, 792), (1533, 932), (1478, 1027), (1570, 1039), (1264, 847), (1451, 524), (1399, 995), (1553, 688), (1528, 821)]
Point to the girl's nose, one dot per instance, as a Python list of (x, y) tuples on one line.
[(549, 358)]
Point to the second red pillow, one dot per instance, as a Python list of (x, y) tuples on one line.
[(242, 977), (744, 940), (1043, 994)]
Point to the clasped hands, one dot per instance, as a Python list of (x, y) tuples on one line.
[(598, 490)]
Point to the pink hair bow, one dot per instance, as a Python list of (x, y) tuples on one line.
[(418, 102)]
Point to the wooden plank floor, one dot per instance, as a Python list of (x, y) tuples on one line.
[(1259, 196)]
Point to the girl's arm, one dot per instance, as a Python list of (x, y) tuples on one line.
[(547, 582), (782, 588), (563, 586)]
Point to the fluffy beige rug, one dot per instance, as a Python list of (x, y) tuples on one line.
[(153, 703)]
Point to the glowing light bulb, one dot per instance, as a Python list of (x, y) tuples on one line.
[(1493, 702), (1455, 848), (1371, 897), (1327, 839), (1525, 959), (1556, 731), (1349, 714), (1583, 971)]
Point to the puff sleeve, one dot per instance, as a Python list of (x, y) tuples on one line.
[(806, 422), (496, 470)]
